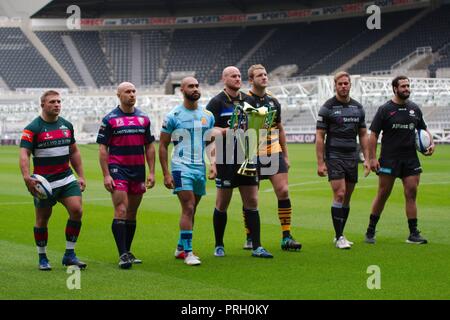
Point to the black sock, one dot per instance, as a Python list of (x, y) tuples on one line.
[(345, 211), (119, 231), (373, 220), (338, 219), (412, 224), (131, 229), (219, 222), (254, 225)]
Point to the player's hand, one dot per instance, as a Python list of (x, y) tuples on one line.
[(366, 165), (31, 185), (288, 164), (430, 150), (109, 184), (322, 170), (168, 181), (150, 181), (212, 172), (374, 165), (82, 183)]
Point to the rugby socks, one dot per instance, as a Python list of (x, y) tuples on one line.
[(130, 230), (412, 224), (247, 230), (219, 222), (337, 215), (41, 237), (373, 220), (254, 224), (72, 231), (345, 211), (119, 230), (186, 239), (180, 244), (284, 214)]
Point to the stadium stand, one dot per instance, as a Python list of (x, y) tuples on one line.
[(432, 30), (53, 41), (99, 58), (21, 65), (309, 46)]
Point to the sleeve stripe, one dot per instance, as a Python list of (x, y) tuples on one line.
[(27, 135)]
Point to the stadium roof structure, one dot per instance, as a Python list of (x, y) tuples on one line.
[(155, 8)]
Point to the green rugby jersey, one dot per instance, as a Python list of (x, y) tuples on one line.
[(49, 143)]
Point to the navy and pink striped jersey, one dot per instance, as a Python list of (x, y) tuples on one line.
[(125, 135), (49, 143)]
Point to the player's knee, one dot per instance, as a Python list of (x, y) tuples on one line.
[(410, 194), (120, 212), (384, 193), (251, 203), (76, 213), (42, 222), (189, 209), (339, 196), (282, 192)]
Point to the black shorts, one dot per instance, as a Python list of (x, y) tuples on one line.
[(227, 177), (342, 169), (400, 168), (279, 166)]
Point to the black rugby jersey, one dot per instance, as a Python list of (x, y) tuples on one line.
[(222, 107), (342, 122), (273, 139), (398, 123)]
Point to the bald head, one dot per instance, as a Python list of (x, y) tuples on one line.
[(231, 77), (126, 92), (191, 90), (124, 85), (228, 70), (188, 80)]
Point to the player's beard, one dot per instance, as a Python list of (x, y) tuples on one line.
[(344, 95), (192, 97), (402, 95)]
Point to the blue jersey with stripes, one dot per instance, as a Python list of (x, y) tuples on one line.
[(189, 130)]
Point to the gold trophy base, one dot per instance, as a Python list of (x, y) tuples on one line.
[(248, 169)]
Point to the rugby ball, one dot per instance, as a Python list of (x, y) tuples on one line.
[(423, 140), (43, 187)]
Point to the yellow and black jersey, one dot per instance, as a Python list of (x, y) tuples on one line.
[(273, 139)]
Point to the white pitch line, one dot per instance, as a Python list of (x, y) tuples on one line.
[(373, 186), (84, 200)]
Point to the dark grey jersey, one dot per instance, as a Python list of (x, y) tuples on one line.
[(341, 122)]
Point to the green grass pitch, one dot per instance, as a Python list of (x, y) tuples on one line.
[(318, 271)]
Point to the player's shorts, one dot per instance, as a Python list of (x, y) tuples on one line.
[(71, 189), (400, 168), (342, 169), (275, 166), (189, 182), (227, 177), (131, 187)]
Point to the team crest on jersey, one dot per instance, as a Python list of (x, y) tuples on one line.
[(65, 133), (203, 120), (119, 122), (412, 113), (141, 120)]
